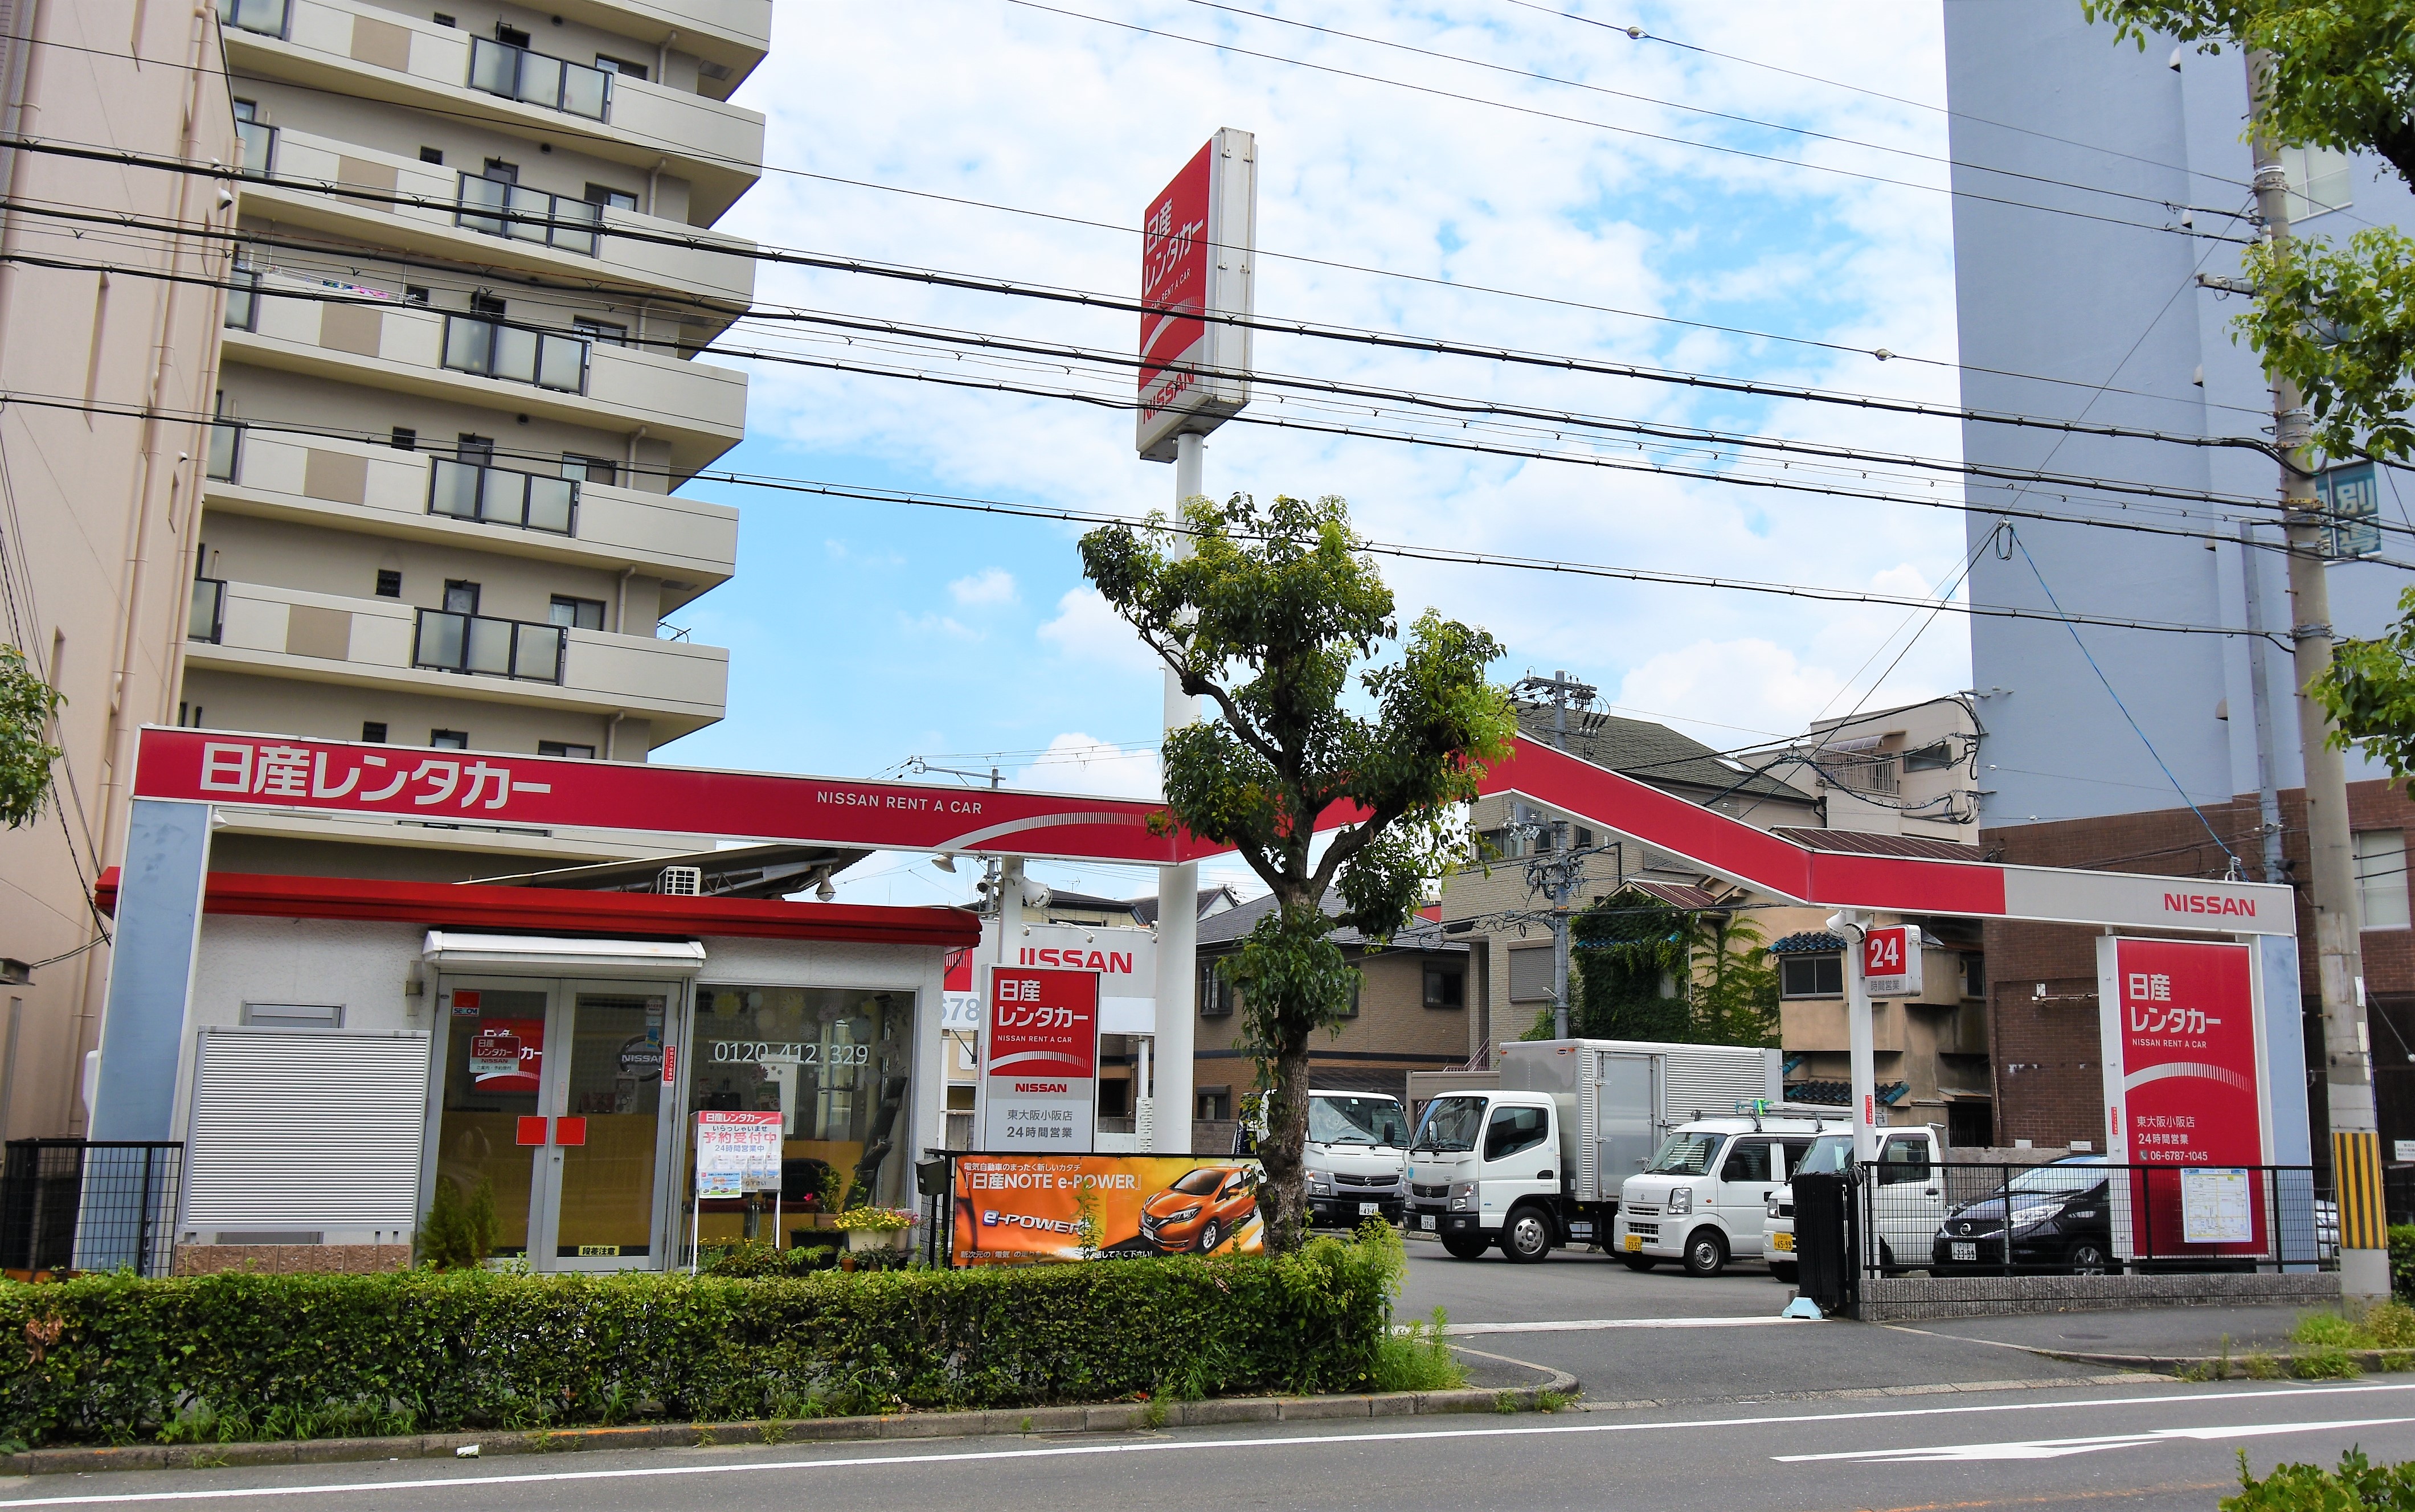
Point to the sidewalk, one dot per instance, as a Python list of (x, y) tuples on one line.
[(2144, 1337)]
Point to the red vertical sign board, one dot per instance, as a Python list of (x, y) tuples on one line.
[(1891, 961), (1174, 267), (2188, 1073), (1040, 1060)]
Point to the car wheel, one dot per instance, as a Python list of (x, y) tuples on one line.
[(1210, 1236), (1527, 1237), (1782, 1270), (1638, 1264), (1706, 1252), (2088, 1258), (1464, 1246)]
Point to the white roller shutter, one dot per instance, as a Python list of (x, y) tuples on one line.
[(304, 1130)]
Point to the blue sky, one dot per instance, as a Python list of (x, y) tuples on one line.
[(862, 634)]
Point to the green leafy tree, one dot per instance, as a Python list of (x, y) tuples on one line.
[(26, 705), (1648, 971), (1269, 619), (2369, 692)]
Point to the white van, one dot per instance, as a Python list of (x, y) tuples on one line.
[(1905, 1212), (1702, 1200)]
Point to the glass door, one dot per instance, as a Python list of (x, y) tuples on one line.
[(488, 1095), (598, 1207)]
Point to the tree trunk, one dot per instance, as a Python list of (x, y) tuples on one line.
[(1283, 1200)]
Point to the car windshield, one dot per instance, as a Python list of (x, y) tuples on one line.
[(1200, 1183), (1347, 1120), (1686, 1155), (1452, 1123), (2057, 1180), (1828, 1156)]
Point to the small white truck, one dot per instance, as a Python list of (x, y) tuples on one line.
[(1701, 1200), (1356, 1156), (1530, 1157), (1906, 1212)]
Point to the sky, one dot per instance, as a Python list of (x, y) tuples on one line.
[(1413, 178)]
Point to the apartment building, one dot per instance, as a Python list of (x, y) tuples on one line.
[(97, 498), (459, 388), (1909, 770)]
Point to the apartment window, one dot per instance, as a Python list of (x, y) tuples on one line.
[(588, 468), (1811, 975), (1445, 985), (576, 613), (475, 451), (1357, 979), (1530, 974), (440, 19), (1974, 976), (449, 739), (389, 583), (2381, 877), (404, 439), (601, 330), (188, 716), (1218, 997), (1216, 1107), (564, 748), (207, 618), (416, 293), (243, 299), (1936, 757), (258, 137), (373, 731), (626, 70), (461, 597), (2321, 180), (266, 17), (485, 304), (1507, 844), (432, 156), (516, 353), (510, 36), (599, 194)]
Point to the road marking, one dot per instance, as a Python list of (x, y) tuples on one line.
[(2065, 1448), (1586, 1325), (1068, 1451)]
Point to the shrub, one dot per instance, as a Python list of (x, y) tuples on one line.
[(2402, 1260), (241, 1354), (1416, 1360), (755, 1257), (458, 1233), (2356, 1486)]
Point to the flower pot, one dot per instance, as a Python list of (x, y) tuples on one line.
[(861, 1239)]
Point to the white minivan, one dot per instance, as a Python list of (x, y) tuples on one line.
[(1703, 1199), (1904, 1211)]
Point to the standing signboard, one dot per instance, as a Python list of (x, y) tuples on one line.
[(1891, 961), (1198, 241), (2183, 1083), (1040, 1061), (737, 1155), (1015, 1209)]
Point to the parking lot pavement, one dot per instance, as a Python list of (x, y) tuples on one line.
[(2159, 1332), (1578, 1283)]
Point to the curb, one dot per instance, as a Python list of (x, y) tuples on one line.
[(1867, 1393), (2375, 1361), (1113, 1417)]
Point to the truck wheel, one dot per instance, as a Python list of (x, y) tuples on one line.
[(1527, 1237), (1464, 1246), (1706, 1252), (1638, 1264), (1783, 1271)]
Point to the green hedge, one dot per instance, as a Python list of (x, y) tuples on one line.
[(241, 1356), (2402, 1261)]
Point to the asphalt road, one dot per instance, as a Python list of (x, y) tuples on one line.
[(2151, 1446)]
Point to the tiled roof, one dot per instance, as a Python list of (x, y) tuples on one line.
[(1810, 942), (1862, 843), (1675, 894), (1227, 928), (1840, 1094)]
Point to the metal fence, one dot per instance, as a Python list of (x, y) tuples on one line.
[(2088, 1218), (88, 1204)]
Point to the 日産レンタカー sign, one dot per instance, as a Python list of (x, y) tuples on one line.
[(737, 1153), (1040, 1060)]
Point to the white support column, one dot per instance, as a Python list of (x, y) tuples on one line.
[(1860, 1043), (1178, 906)]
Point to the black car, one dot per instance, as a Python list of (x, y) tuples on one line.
[(2062, 1220)]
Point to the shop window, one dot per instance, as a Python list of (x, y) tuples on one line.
[(834, 1063), (1811, 975), (2381, 877), (1445, 985)]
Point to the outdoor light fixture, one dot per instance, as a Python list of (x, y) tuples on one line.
[(945, 863), (826, 892)]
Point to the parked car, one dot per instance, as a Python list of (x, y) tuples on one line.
[(1202, 1209), (1904, 1211), (2059, 1216), (1703, 1199)]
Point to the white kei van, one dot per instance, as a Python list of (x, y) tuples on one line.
[(1906, 1210), (1703, 1199)]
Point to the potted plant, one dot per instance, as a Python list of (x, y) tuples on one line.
[(877, 1228)]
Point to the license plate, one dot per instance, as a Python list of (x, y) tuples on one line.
[(1635, 1241), (1426, 1220), (1784, 1242), (1366, 1209), (1966, 1251)]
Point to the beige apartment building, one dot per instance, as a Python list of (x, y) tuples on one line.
[(98, 500), (1910, 770), (459, 387)]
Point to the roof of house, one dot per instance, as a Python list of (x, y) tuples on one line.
[(1144, 909), (1863, 843), (1651, 753), (1225, 930), (1675, 894), (1810, 942), (474, 906), (1841, 1093), (1060, 900)]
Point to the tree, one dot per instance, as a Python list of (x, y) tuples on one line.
[(26, 705), (1267, 620), (2370, 694), (1649, 971), (2338, 320)]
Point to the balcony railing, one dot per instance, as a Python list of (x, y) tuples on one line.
[(259, 147), (520, 353), (497, 496), (207, 618), (243, 300), (266, 17), (475, 644), (517, 73), (529, 214), (226, 447)]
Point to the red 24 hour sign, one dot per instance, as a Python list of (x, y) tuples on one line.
[(1891, 961)]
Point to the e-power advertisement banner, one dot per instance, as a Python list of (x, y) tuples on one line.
[(1039, 1087), (2183, 1057), (1198, 241), (1016, 1209)]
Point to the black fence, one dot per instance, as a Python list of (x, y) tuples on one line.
[(2086, 1219), (88, 1204)]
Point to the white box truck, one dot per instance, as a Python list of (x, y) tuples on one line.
[(1533, 1159)]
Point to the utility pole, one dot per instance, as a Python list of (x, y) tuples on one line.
[(1559, 876), (2355, 1142)]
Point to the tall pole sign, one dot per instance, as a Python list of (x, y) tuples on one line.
[(1198, 241), (1040, 1061)]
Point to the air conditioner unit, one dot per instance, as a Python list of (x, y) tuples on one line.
[(681, 881)]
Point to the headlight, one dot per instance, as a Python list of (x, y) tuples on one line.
[(1682, 1200), (1183, 1216), (2030, 1218), (1771, 1208), (1319, 1184), (1462, 1197)]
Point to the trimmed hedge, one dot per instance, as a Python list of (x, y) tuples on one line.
[(241, 1356), (2402, 1261)]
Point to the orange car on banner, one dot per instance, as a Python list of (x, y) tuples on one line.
[(1013, 1209)]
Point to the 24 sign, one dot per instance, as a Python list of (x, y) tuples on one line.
[(1891, 961)]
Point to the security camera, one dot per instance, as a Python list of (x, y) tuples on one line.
[(226, 196)]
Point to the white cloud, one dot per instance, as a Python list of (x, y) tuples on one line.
[(1079, 763), (1087, 630), (988, 587), (1756, 683)]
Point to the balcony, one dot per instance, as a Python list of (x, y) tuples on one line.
[(362, 51), (379, 341), (456, 215), (279, 632), (206, 618), (729, 37), (511, 510)]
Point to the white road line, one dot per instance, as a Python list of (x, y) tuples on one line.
[(1586, 1325), (2061, 1448), (1067, 1451)]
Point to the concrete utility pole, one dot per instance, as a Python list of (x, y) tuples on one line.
[(1563, 871), (2355, 1142), (1178, 898)]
